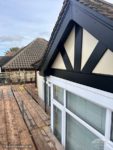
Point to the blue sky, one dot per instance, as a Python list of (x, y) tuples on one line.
[(24, 20)]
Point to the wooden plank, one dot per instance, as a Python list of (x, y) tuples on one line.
[(17, 132), (40, 141), (3, 134), (37, 107), (58, 146), (25, 136), (12, 131), (35, 116), (34, 93), (43, 140)]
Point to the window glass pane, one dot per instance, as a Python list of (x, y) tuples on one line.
[(58, 94), (88, 111), (80, 138), (57, 123), (112, 128)]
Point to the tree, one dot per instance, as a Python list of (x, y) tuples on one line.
[(12, 51)]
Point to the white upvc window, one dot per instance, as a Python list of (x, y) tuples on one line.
[(80, 118)]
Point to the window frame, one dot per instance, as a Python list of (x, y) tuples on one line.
[(48, 96), (92, 95), (111, 127)]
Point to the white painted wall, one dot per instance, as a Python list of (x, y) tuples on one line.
[(40, 86)]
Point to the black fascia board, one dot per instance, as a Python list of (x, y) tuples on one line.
[(98, 81)]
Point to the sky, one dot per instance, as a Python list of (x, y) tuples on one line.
[(22, 21)]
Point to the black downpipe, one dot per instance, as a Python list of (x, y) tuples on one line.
[(45, 94)]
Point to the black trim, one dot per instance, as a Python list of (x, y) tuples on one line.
[(65, 58), (61, 36), (101, 82), (78, 48), (112, 128), (95, 57)]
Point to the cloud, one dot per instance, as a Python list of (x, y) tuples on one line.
[(12, 38), (24, 20)]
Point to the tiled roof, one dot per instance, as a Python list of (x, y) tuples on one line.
[(28, 55), (100, 6), (4, 60), (37, 64)]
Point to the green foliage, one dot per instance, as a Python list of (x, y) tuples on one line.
[(12, 51)]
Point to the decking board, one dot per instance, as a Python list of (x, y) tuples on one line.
[(23, 122)]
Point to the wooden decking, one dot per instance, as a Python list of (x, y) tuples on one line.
[(23, 123)]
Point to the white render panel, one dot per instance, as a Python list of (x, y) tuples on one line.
[(88, 45), (70, 45), (40, 86), (59, 63), (105, 65)]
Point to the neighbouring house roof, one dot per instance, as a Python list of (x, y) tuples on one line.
[(4, 60), (37, 64), (27, 55), (100, 9)]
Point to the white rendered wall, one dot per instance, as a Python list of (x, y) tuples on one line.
[(105, 64), (40, 86), (58, 63)]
